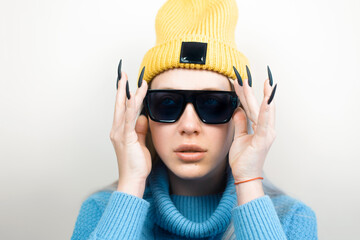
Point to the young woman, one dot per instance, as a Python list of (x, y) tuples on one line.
[(191, 165)]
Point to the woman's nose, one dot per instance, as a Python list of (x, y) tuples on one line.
[(189, 121)]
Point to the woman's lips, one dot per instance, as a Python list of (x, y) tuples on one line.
[(190, 156)]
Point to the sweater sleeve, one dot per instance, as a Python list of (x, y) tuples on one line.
[(123, 218), (303, 224), (257, 219)]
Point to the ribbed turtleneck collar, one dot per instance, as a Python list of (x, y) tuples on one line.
[(191, 216)]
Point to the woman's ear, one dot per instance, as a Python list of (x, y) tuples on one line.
[(150, 145)]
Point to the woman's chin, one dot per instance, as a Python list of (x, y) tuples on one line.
[(188, 170)]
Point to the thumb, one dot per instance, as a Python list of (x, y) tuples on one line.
[(141, 128), (240, 122)]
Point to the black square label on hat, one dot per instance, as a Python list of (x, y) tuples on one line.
[(193, 52)]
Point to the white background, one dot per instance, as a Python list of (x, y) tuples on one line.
[(58, 69)]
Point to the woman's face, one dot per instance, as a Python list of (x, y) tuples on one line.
[(189, 129)]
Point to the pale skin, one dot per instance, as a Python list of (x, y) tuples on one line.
[(208, 175), (246, 152)]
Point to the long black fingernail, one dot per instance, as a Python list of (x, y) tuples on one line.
[(249, 76), (238, 76), (119, 74), (272, 94), (127, 89), (270, 76), (141, 77)]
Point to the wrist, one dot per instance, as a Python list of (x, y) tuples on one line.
[(249, 191), (132, 187)]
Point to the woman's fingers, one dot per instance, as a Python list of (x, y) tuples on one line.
[(251, 101), (140, 95), (133, 108), (247, 98), (266, 126), (120, 102), (272, 96), (240, 91), (130, 117), (123, 104)]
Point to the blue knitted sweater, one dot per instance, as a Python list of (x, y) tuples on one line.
[(160, 215)]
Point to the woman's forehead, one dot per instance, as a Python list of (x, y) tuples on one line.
[(195, 79)]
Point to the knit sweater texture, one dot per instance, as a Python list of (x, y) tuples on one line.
[(160, 215)]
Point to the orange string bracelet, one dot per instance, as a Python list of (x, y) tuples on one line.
[(248, 180)]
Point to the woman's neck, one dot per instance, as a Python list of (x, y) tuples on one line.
[(213, 183)]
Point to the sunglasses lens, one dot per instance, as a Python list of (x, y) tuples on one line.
[(215, 107), (165, 106)]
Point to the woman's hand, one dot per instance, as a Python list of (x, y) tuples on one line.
[(248, 152), (128, 137)]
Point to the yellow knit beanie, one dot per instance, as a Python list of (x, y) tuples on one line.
[(195, 34)]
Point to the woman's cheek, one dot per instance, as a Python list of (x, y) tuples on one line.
[(161, 141)]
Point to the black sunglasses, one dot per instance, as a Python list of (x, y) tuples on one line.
[(212, 107)]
